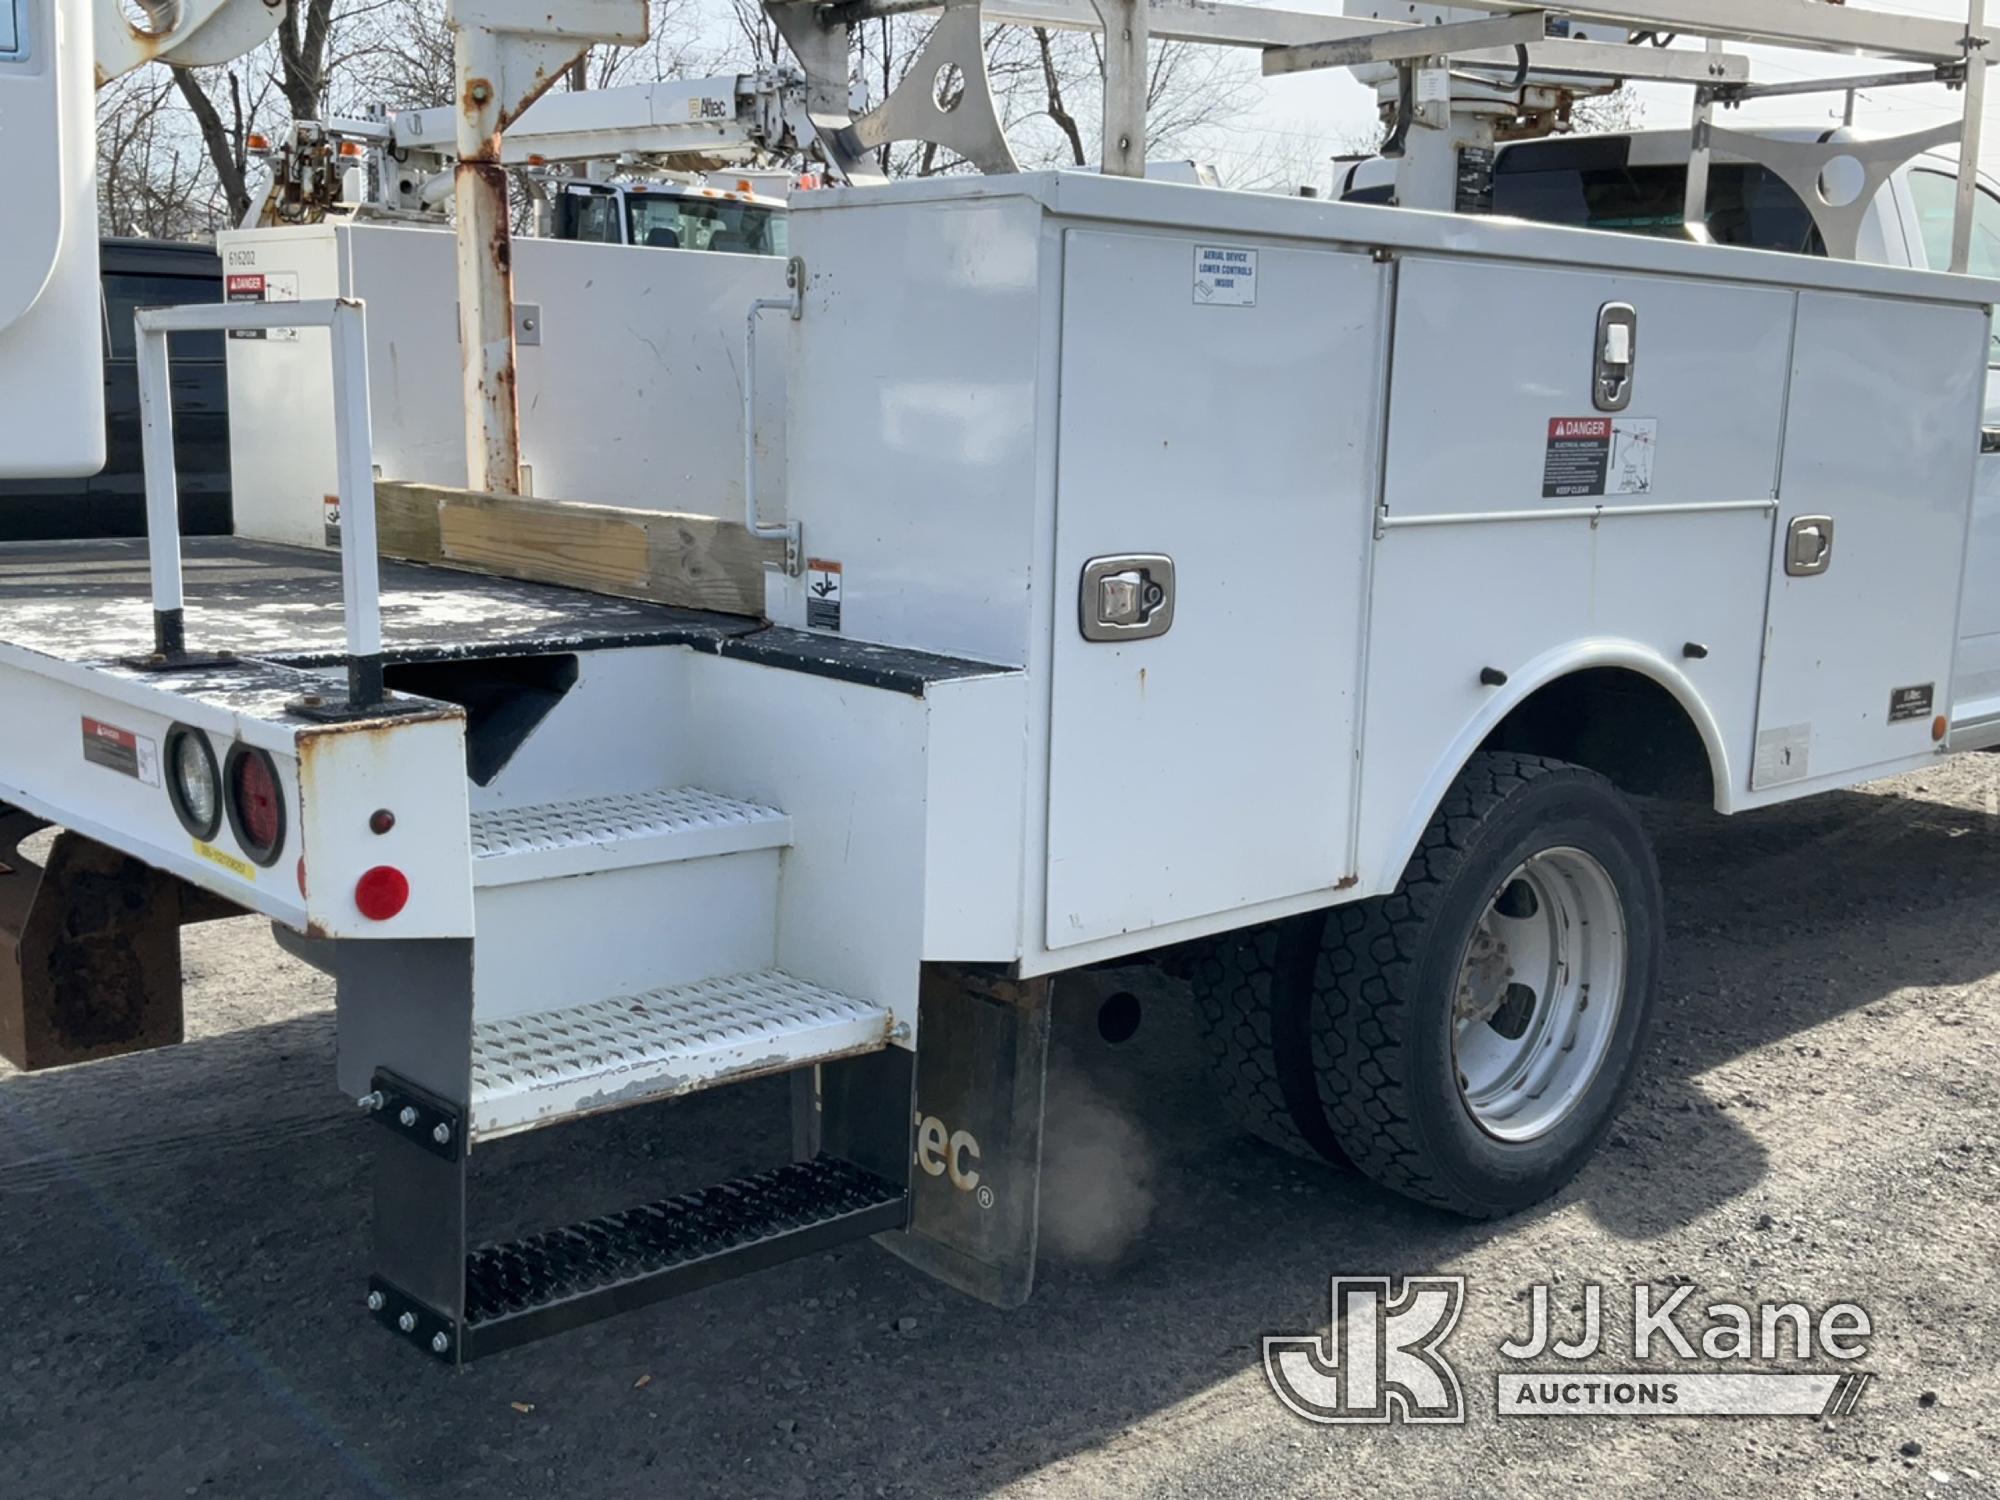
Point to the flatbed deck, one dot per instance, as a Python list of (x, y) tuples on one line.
[(89, 602), (84, 601)]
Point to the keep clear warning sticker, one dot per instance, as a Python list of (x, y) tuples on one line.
[(262, 286), (1225, 276), (121, 750), (1589, 456), (822, 594)]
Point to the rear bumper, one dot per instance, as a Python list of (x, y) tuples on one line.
[(82, 745)]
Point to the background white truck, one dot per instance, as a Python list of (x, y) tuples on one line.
[(1296, 591)]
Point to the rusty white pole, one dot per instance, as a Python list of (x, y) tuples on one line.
[(485, 268)]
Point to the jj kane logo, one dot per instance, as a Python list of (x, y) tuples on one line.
[(1382, 1358)]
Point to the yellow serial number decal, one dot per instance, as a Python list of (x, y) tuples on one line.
[(238, 867)]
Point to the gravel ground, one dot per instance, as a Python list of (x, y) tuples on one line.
[(185, 1234)]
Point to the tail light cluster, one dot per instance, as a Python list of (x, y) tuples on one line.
[(244, 788)]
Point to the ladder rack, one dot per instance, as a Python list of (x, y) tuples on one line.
[(1510, 42)]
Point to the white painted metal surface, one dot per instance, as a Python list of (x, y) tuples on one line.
[(934, 365), (632, 397), (555, 1065), (1883, 618), (1976, 675), (51, 351), (331, 778), (553, 839), (1233, 433), (575, 939)]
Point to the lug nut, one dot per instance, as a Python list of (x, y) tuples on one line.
[(440, 1343), (408, 1116), (374, 1301), (441, 1133), (408, 1322)]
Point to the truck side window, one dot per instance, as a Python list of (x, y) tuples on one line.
[(125, 294), (1747, 205), (1936, 196), (1937, 204), (594, 217)]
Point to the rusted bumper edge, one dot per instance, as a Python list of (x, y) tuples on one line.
[(90, 956)]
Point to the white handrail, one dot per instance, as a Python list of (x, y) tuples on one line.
[(360, 574)]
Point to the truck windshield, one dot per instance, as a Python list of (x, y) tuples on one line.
[(669, 221)]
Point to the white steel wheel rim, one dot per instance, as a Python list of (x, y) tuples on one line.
[(1536, 997)]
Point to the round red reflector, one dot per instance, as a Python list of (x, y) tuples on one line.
[(256, 803), (382, 892)]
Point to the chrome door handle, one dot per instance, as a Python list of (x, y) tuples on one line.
[(1126, 598)]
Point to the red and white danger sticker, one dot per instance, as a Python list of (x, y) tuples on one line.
[(121, 750), (1595, 456)]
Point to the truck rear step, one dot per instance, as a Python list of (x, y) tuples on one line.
[(513, 845), (562, 1278), (555, 1065)]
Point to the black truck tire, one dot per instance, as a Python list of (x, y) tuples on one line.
[(1400, 978)]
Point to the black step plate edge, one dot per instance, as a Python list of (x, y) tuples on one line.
[(875, 1205)]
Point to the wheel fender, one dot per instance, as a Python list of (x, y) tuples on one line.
[(1578, 656)]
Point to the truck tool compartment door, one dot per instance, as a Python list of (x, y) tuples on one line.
[(1218, 398), (1881, 439)]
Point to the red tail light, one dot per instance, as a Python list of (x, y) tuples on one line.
[(256, 803)]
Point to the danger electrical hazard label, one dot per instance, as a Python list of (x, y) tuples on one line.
[(1591, 456), (262, 286), (121, 750)]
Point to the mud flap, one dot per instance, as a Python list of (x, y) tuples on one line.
[(975, 1178), (90, 955)]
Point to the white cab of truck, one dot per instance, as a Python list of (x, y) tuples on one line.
[(1636, 182)]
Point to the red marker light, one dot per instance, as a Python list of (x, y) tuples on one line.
[(381, 893)]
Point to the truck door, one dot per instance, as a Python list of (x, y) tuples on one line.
[(1875, 494), (1216, 468)]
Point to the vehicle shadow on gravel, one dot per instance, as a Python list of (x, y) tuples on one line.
[(187, 1238)]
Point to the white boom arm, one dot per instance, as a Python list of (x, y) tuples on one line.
[(54, 54)]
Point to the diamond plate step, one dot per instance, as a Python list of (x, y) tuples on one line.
[(553, 1065), (562, 1278), (618, 831)]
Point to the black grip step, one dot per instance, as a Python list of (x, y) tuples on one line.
[(561, 1278)]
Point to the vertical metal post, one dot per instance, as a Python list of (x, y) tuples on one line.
[(1125, 35), (360, 570), (1968, 144), (163, 511), (1700, 154), (485, 267)]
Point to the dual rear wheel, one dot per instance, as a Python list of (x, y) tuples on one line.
[(1468, 1039)]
